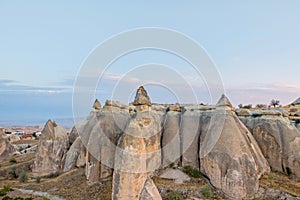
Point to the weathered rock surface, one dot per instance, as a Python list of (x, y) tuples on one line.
[(52, 147), (97, 105), (190, 135), (171, 147), (99, 133), (138, 155), (178, 176), (6, 149), (229, 155), (75, 157), (141, 97), (150, 191), (278, 140), (73, 135), (296, 102)]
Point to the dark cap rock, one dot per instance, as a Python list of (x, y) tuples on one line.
[(97, 105), (224, 101), (141, 97)]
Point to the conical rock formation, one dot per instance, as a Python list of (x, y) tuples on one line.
[(52, 147), (138, 154), (6, 149), (229, 155)]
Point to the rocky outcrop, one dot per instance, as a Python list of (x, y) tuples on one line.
[(99, 133), (75, 157), (229, 155), (141, 97), (97, 105), (278, 139), (296, 102), (52, 147), (171, 147), (73, 135), (6, 149), (138, 154)]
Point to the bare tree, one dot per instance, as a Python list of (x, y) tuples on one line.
[(274, 103)]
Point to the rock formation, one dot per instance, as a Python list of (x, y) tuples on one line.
[(129, 142), (278, 139), (75, 157), (171, 147), (52, 147), (6, 149), (97, 105), (234, 163), (138, 154), (296, 102), (99, 133)]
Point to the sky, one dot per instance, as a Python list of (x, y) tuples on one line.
[(255, 46)]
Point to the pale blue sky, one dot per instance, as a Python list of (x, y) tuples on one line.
[(255, 45)]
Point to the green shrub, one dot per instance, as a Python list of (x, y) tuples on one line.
[(2, 193), (7, 188), (174, 195), (38, 180), (7, 198), (13, 160), (45, 198), (53, 175), (193, 172), (206, 191), (23, 177), (12, 172)]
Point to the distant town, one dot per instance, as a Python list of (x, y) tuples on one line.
[(16, 133)]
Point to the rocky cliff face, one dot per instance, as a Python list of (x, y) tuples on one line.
[(278, 139), (234, 163), (128, 143), (138, 154), (52, 148), (99, 133), (6, 149)]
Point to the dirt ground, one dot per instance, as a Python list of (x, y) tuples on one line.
[(73, 185)]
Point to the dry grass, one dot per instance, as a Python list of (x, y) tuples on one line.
[(281, 182)]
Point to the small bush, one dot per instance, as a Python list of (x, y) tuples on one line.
[(12, 172), (13, 160), (174, 195), (45, 198), (5, 190), (38, 180), (2, 193), (193, 172), (53, 175), (23, 177), (206, 191)]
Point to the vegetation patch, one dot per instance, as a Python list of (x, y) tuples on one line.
[(206, 191), (193, 172), (174, 195)]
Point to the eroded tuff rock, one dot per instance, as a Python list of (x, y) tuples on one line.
[(142, 97), (52, 147), (278, 140), (100, 132), (6, 149), (229, 155), (296, 102), (138, 155), (97, 105), (75, 157), (73, 135), (171, 147)]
